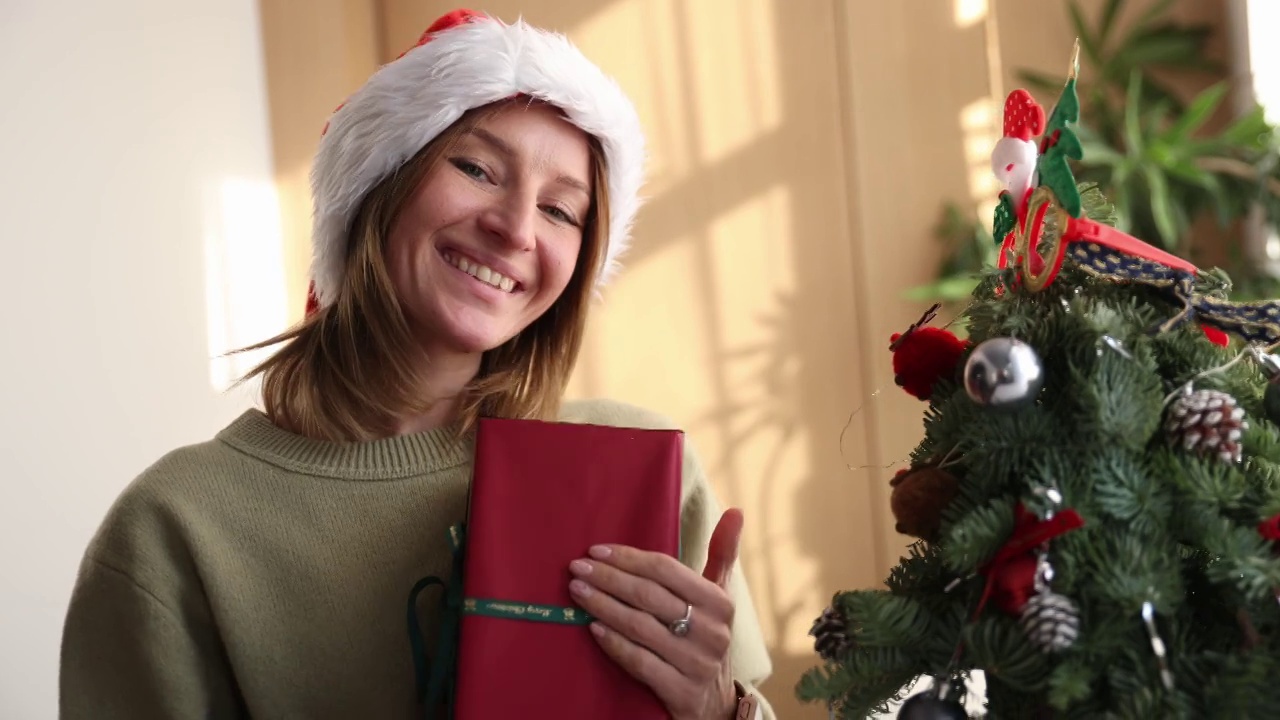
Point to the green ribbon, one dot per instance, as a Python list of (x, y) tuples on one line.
[(435, 680), (531, 612)]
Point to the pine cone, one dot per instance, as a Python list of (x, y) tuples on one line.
[(831, 635), (1051, 621), (1208, 422)]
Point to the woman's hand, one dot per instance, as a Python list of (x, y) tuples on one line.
[(635, 597)]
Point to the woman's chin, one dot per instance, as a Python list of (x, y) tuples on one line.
[(472, 340), (461, 328)]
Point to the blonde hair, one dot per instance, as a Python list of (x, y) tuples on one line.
[(350, 370)]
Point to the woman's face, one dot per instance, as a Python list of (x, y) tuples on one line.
[(489, 239)]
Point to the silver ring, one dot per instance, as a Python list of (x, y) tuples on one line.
[(680, 627)]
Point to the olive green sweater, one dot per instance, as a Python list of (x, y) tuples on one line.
[(266, 575)]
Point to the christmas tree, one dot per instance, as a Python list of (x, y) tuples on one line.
[(1096, 495)]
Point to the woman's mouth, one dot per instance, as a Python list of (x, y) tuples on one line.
[(483, 273)]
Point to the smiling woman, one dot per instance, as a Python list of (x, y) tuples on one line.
[(469, 199), (500, 191), (495, 235)]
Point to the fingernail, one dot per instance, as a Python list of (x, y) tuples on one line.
[(600, 552), (580, 567), (579, 588), (597, 629)]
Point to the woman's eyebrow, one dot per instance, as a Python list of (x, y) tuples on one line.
[(503, 147), (498, 143)]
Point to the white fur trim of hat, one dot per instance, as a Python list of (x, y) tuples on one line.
[(463, 61)]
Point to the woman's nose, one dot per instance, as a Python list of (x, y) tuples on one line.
[(512, 219)]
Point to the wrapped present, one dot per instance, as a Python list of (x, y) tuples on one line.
[(542, 494)]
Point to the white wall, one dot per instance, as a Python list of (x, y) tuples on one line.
[(129, 131)]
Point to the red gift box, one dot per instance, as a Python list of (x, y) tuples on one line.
[(542, 494)]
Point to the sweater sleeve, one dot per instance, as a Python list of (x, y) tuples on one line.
[(748, 652), (125, 654), (139, 640)]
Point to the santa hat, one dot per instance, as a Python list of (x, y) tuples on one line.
[(1013, 159), (463, 61), (1023, 116)]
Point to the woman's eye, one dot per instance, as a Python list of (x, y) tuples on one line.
[(471, 169), (559, 214)]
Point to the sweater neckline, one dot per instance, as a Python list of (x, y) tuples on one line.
[(382, 459)]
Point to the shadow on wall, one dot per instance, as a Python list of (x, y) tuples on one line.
[(739, 313)]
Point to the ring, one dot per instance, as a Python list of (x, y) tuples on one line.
[(680, 627)]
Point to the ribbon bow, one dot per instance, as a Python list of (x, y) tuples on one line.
[(1011, 572), (434, 682)]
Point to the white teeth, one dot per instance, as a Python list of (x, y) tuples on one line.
[(484, 274)]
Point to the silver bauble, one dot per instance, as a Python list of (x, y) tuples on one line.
[(1003, 373)]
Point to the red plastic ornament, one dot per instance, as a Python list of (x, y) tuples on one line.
[(1270, 528), (1216, 336)]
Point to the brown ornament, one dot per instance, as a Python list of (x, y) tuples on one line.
[(918, 499)]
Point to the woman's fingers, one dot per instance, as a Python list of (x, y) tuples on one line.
[(643, 629), (641, 663), (639, 592), (722, 552), (683, 583)]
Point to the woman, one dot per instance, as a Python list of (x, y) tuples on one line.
[(470, 199)]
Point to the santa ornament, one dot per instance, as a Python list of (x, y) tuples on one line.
[(1040, 222), (1014, 159), (463, 61)]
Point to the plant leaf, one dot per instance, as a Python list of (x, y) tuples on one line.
[(1251, 130), (945, 289), (1133, 116), (1120, 199), (1158, 185), (1184, 169), (1099, 153), (1107, 21), (1200, 109), (1169, 45), (1156, 10), (1087, 42), (1156, 114)]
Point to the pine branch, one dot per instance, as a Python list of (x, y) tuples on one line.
[(1127, 491), (1000, 647), (884, 620), (1119, 399), (921, 576), (1071, 683), (1126, 570), (1243, 559), (977, 537), (1244, 686), (865, 685), (1207, 486)]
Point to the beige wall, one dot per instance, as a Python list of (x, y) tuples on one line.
[(136, 150), (316, 51), (801, 152)]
